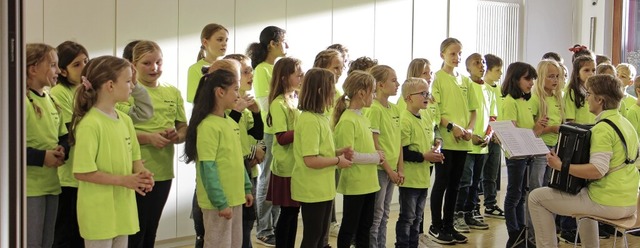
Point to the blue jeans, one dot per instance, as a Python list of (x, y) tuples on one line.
[(468, 191), (267, 213), (378, 237), (516, 193), (490, 174), (412, 203)]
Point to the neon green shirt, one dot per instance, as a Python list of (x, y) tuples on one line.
[(417, 133), (619, 188), (42, 134), (246, 141), (518, 111), (626, 103), (193, 78), (168, 108), (219, 141), (354, 130), (107, 145), (497, 91), (580, 115), (283, 118), (486, 108), (455, 98), (553, 113), (313, 137), (634, 117), (386, 123), (64, 96)]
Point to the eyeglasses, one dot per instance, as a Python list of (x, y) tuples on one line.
[(425, 94)]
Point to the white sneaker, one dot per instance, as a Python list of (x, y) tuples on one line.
[(425, 242), (334, 229)]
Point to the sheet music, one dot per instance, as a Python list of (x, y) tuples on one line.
[(518, 142)]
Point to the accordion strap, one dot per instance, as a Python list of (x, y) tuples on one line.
[(627, 160)]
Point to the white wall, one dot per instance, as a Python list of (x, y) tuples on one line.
[(393, 31)]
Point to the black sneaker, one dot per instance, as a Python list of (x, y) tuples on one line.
[(458, 238), (473, 223), (569, 237), (268, 241), (494, 212), (440, 237)]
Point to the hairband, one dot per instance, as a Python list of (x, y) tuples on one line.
[(86, 83), (576, 49)]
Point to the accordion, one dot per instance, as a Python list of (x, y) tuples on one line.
[(573, 148)]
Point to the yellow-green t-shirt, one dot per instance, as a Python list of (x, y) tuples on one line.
[(193, 78), (386, 123), (626, 103), (497, 91), (455, 98), (168, 108), (64, 96), (417, 133), (486, 108), (110, 146), (619, 188), (42, 134), (313, 137), (354, 130), (245, 123), (518, 111), (633, 115), (578, 115), (219, 141), (262, 81), (283, 118), (553, 113)]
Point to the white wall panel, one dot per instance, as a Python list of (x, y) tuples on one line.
[(393, 29), (309, 25), (93, 27), (353, 26), (462, 16), (193, 16), (155, 20), (539, 38), (33, 21), (429, 30), (251, 16)]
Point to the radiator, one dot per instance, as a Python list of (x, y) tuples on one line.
[(497, 30)]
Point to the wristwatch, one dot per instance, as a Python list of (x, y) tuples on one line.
[(449, 126)]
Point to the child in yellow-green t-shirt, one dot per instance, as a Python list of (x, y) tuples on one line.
[(107, 160), (223, 185), (313, 175), (418, 151), (358, 183), (46, 144), (157, 137), (384, 118)]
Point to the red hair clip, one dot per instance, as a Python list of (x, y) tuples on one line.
[(577, 48)]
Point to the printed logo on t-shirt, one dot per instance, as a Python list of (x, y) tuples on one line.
[(171, 106), (395, 121), (464, 91), (237, 130), (128, 141)]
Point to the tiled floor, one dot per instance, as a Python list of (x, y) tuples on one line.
[(496, 236)]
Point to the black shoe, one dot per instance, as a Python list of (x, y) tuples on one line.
[(569, 237), (199, 242), (602, 234), (439, 236), (473, 223), (458, 238), (610, 230)]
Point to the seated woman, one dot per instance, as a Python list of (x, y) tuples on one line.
[(611, 195)]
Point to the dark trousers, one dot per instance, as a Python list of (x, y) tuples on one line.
[(421, 228), (445, 188), (357, 218), (287, 227), (514, 210), (249, 215), (468, 191), (150, 209), (67, 233), (412, 203), (315, 219), (198, 222)]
